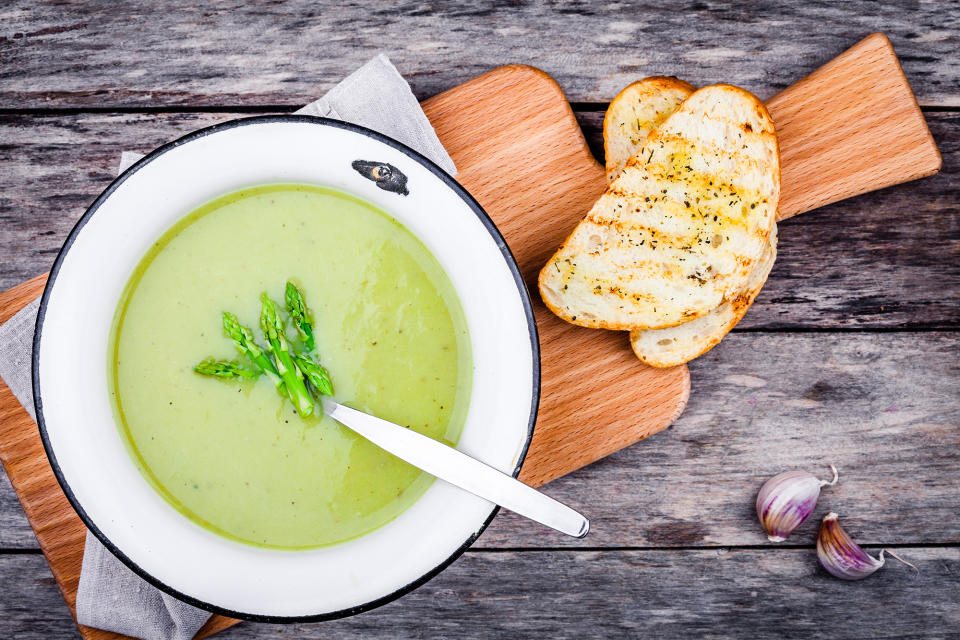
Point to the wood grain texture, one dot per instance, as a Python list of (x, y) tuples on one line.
[(885, 408), (537, 131), (481, 124), (719, 593), (890, 259), (850, 127), (596, 397), (58, 529), (105, 53), (15, 531)]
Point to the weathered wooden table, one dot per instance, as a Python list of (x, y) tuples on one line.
[(849, 356)]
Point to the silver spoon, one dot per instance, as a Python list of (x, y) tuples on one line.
[(459, 469)]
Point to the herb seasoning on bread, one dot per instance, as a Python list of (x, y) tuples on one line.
[(682, 228)]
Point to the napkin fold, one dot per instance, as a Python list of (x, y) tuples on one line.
[(111, 596)]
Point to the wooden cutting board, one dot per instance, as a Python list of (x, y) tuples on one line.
[(850, 127)]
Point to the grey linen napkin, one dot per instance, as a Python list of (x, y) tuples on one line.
[(110, 595)]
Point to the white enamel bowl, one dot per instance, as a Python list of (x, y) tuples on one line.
[(84, 444)]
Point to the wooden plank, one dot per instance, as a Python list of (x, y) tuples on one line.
[(887, 259), (185, 53), (58, 529), (15, 532), (482, 124), (850, 127), (31, 607), (885, 408), (591, 388), (612, 594), (484, 118)]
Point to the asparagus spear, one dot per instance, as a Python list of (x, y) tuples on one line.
[(225, 369), (300, 315), (318, 376), (275, 333), (243, 339)]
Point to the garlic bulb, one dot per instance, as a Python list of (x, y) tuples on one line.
[(787, 499), (842, 557)]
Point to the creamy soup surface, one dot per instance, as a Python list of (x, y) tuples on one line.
[(233, 456)]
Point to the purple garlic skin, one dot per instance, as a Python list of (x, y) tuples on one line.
[(785, 501), (840, 555)]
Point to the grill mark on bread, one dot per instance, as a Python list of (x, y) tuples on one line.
[(663, 222), (682, 343), (714, 213), (638, 109), (638, 234)]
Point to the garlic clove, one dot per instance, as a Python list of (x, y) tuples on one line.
[(844, 558), (786, 500), (840, 555)]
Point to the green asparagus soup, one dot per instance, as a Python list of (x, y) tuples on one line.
[(233, 455)]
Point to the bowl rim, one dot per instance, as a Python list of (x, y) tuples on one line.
[(417, 157)]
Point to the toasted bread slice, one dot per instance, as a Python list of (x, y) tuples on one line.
[(637, 110), (681, 228), (684, 342), (634, 113)]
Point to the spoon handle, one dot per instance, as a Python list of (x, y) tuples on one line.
[(461, 470)]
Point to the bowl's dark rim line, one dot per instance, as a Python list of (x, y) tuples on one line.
[(417, 157)]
